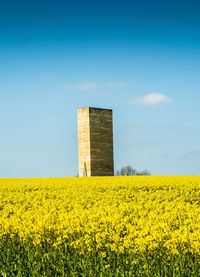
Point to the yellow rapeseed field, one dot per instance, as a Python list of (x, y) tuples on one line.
[(130, 217)]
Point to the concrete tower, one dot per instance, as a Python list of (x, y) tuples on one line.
[(95, 142)]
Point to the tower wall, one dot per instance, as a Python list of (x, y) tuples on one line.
[(95, 137), (84, 142)]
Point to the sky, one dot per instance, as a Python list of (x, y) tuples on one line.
[(140, 58)]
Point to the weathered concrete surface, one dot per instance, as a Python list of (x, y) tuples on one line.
[(84, 141), (95, 139)]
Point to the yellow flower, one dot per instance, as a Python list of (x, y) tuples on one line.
[(116, 214)]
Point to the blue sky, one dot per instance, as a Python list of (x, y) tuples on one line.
[(140, 58)]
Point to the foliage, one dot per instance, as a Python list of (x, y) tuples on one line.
[(100, 226)]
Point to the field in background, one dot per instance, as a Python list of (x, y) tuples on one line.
[(100, 226)]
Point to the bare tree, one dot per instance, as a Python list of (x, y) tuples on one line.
[(126, 171), (143, 172), (130, 171)]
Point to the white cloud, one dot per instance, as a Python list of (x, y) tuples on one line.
[(191, 155), (114, 84), (81, 86), (151, 99), (68, 86), (86, 86)]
